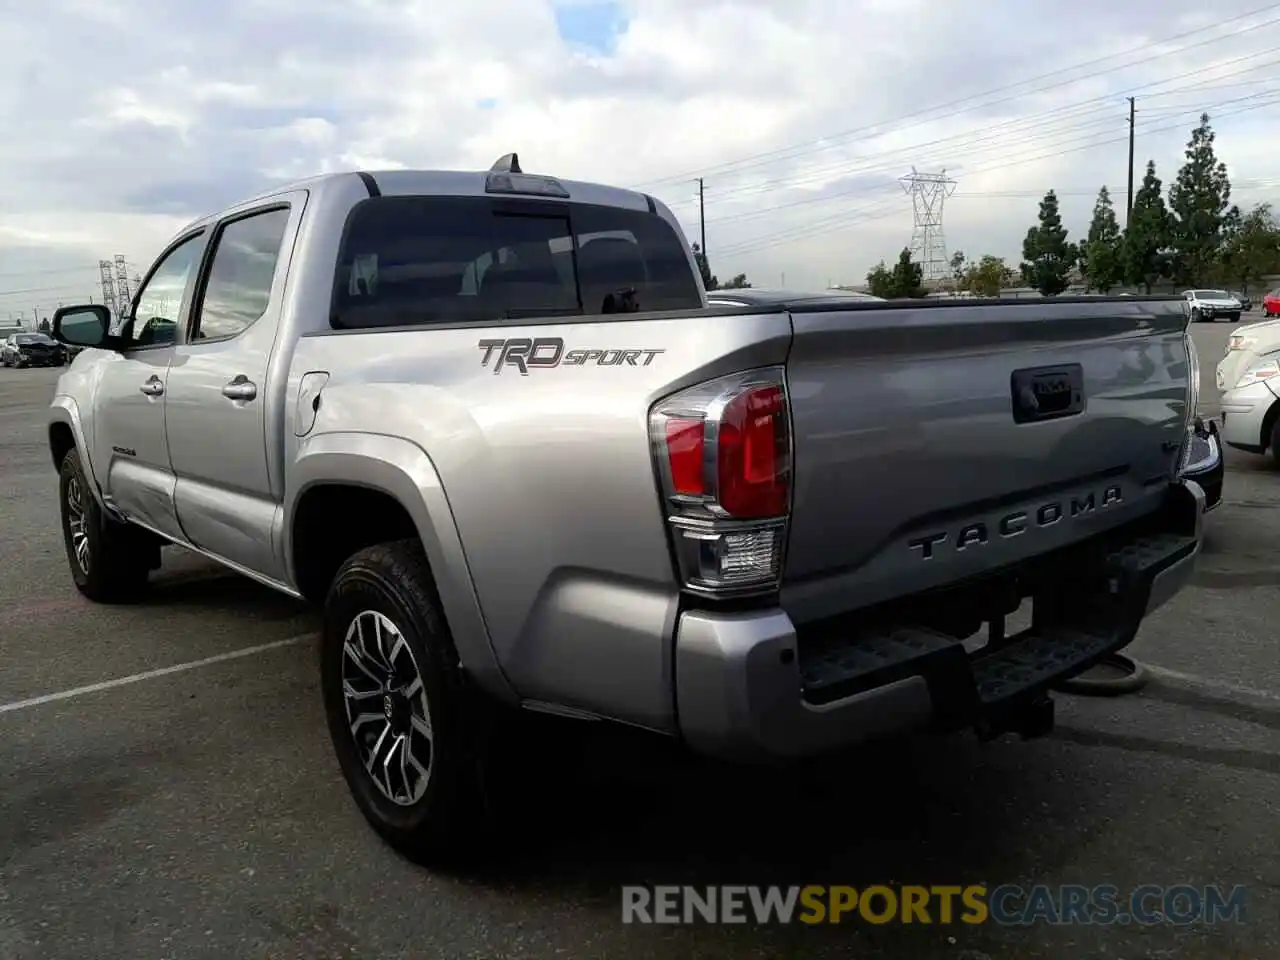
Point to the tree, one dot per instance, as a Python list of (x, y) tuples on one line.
[(1200, 206), (737, 283), (1047, 256), (880, 281), (1144, 252), (1100, 258), (1252, 247), (908, 277), (904, 281), (709, 280), (959, 269), (987, 276)]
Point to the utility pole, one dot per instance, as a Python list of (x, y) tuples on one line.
[(1128, 210), (702, 217)]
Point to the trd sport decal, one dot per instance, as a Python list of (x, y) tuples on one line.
[(524, 353)]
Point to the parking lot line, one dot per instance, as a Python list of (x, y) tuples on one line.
[(1210, 685), (153, 674)]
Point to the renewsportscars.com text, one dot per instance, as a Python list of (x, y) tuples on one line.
[(1007, 905)]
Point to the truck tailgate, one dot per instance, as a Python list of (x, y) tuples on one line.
[(912, 469)]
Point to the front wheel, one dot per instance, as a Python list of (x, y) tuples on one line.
[(1196, 315), (399, 714), (110, 560)]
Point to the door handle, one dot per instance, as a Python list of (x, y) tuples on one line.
[(241, 388), (154, 386)]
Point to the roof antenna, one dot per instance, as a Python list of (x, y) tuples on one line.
[(508, 163)]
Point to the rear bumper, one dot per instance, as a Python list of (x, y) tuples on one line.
[(749, 686)]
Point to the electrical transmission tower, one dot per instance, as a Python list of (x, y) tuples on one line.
[(123, 297), (928, 192), (107, 269)]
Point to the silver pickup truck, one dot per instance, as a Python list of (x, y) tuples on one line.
[(488, 421)]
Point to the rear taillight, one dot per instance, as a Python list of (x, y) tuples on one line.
[(723, 451)]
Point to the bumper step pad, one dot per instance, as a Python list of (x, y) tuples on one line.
[(1095, 622)]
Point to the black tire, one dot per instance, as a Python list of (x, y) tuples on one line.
[(441, 825), (1275, 442), (119, 557), (1196, 315)]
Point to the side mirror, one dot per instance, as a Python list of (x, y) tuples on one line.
[(82, 326)]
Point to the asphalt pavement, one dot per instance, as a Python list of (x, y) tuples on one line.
[(199, 812)]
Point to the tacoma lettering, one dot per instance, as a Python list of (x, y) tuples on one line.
[(979, 533), (526, 353)]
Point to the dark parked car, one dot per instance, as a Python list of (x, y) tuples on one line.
[(32, 350), (1246, 301)]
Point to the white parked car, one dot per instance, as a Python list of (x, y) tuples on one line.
[(1211, 305), (1249, 378)]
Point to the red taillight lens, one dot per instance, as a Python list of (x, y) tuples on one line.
[(684, 454), (753, 454)]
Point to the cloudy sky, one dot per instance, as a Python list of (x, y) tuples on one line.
[(128, 118)]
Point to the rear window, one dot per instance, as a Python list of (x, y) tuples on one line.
[(418, 260)]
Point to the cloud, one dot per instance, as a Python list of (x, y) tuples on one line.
[(130, 117)]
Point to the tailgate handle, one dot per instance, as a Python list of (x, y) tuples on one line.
[(1047, 393)]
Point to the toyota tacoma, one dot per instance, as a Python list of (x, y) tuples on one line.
[(489, 423)]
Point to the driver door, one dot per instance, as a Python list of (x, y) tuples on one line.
[(130, 443)]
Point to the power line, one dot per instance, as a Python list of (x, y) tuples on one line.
[(54, 270), (826, 142), (1067, 136), (844, 219), (1082, 114)]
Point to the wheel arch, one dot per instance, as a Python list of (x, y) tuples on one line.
[(66, 432), (1268, 427), (351, 490)]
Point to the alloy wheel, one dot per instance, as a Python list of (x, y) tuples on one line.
[(386, 707), (76, 524)]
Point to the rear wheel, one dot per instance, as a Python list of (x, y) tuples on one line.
[(110, 560), (404, 725)]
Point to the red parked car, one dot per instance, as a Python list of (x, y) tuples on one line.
[(1271, 304)]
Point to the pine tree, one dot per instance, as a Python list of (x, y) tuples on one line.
[(1100, 259), (1144, 251), (908, 277), (1200, 204), (1047, 256)]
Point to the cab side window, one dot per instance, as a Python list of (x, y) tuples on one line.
[(156, 309), (240, 277)]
